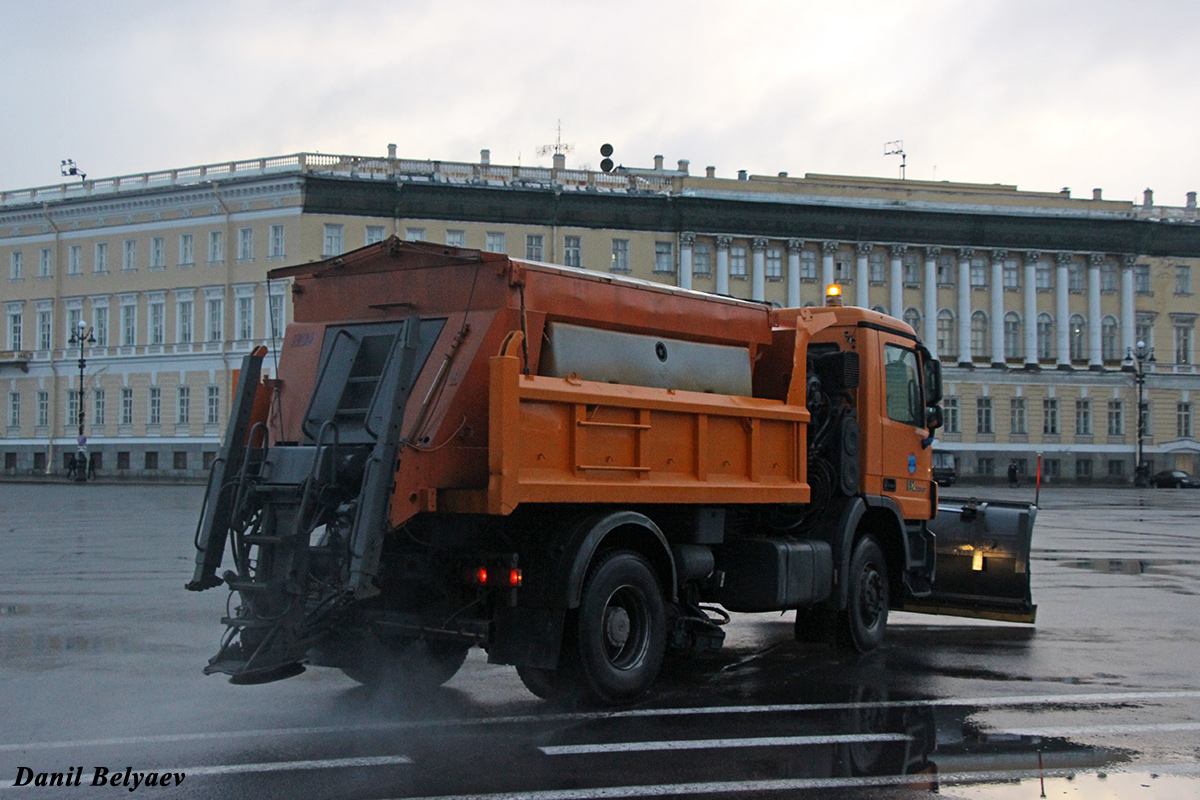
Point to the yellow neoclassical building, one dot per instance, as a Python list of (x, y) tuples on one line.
[(1034, 301)]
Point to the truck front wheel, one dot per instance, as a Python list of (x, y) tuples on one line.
[(616, 648), (862, 624)]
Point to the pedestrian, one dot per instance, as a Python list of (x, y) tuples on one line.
[(1012, 473), (72, 465)]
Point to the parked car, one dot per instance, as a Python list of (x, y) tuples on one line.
[(1174, 479)]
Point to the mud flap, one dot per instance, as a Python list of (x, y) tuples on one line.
[(982, 569)]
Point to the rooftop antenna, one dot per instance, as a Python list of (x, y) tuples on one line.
[(558, 148), (70, 169), (896, 148)]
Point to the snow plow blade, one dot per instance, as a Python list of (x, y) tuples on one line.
[(983, 551)]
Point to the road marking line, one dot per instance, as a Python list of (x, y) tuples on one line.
[(713, 744), (1147, 727), (794, 784), (274, 766), (1094, 698)]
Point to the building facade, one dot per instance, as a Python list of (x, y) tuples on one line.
[(1033, 301)]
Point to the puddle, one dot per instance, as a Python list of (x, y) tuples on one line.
[(18, 645), (1093, 786), (1129, 566)]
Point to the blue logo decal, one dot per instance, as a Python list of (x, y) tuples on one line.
[(912, 464)]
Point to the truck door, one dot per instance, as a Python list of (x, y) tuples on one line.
[(904, 462)]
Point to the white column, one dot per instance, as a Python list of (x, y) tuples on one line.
[(686, 242), (827, 251), (1095, 354), (861, 275), (998, 354), (896, 302), (1031, 260), (1128, 319), (964, 306), (931, 307), (758, 274), (723, 243), (793, 284), (1062, 310)]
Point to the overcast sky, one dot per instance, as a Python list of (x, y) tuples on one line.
[(1044, 94)]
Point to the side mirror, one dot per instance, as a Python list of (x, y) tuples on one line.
[(933, 418)]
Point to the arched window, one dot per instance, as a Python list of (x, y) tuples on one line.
[(1012, 336), (1045, 336), (1109, 334), (980, 341), (879, 309), (946, 344), (1078, 338), (913, 317)]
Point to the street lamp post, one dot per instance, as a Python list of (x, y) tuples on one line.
[(1138, 359), (82, 336)]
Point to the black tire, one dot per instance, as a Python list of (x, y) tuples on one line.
[(815, 625), (615, 648), (862, 624), (411, 665), (544, 683)]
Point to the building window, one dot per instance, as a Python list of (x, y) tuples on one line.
[(980, 339), (1016, 416), (183, 405), (457, 238), (158, 322), (950, 412), (122, 459), (945, 270), (1108, 339), (101, 265), (774, 264), (216, 319), (184, 312), (42, 419), (808, 265), (702, 259), (216, 247), (1116, 468), (1078, 338), (275, 308), (1083, 468), (414, 234), (1083, 417), (737, 262), (983, 415), (1143, 330), (45, 323), (44, 262), (912, 270), (945, 334), (979, 273), (1076, 277), (74, 317), (154, 408), (275, 246), (1044, 276), (14, 409), (180, 459), (1141, 279), (128, 325), (1045, 336), (620, 255), (1183, 343), (16, 266), (97, 408), (534, 246), (14, 330), (75, 260), (129, 255), (212, 405), (72, 408), (572, 251), (843, 271), (876, 270), (664, 257), (100, 324), (1108, 279), (186, 248), (986, 465), (1051, 467), (1116, 418), (245, 244), (1013, 341), (1012, 275), (1183, 279), (495, 242), (245, 318), (334, 240), (158, 253), (151, 459), (374, 235), (1050, 416), (913, 317), (1183, 420)]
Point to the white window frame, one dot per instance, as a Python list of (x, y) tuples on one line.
[(333, 240)]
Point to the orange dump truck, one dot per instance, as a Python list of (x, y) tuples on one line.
[(577, 472)]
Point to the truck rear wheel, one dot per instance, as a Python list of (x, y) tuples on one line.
[(620, 633), (861, 626)]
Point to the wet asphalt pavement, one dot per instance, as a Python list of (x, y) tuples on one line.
[(101, 651)]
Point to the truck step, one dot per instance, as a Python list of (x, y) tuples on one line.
[(262, 539), (242, 623)]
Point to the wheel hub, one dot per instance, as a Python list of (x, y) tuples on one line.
[(616, 626)]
